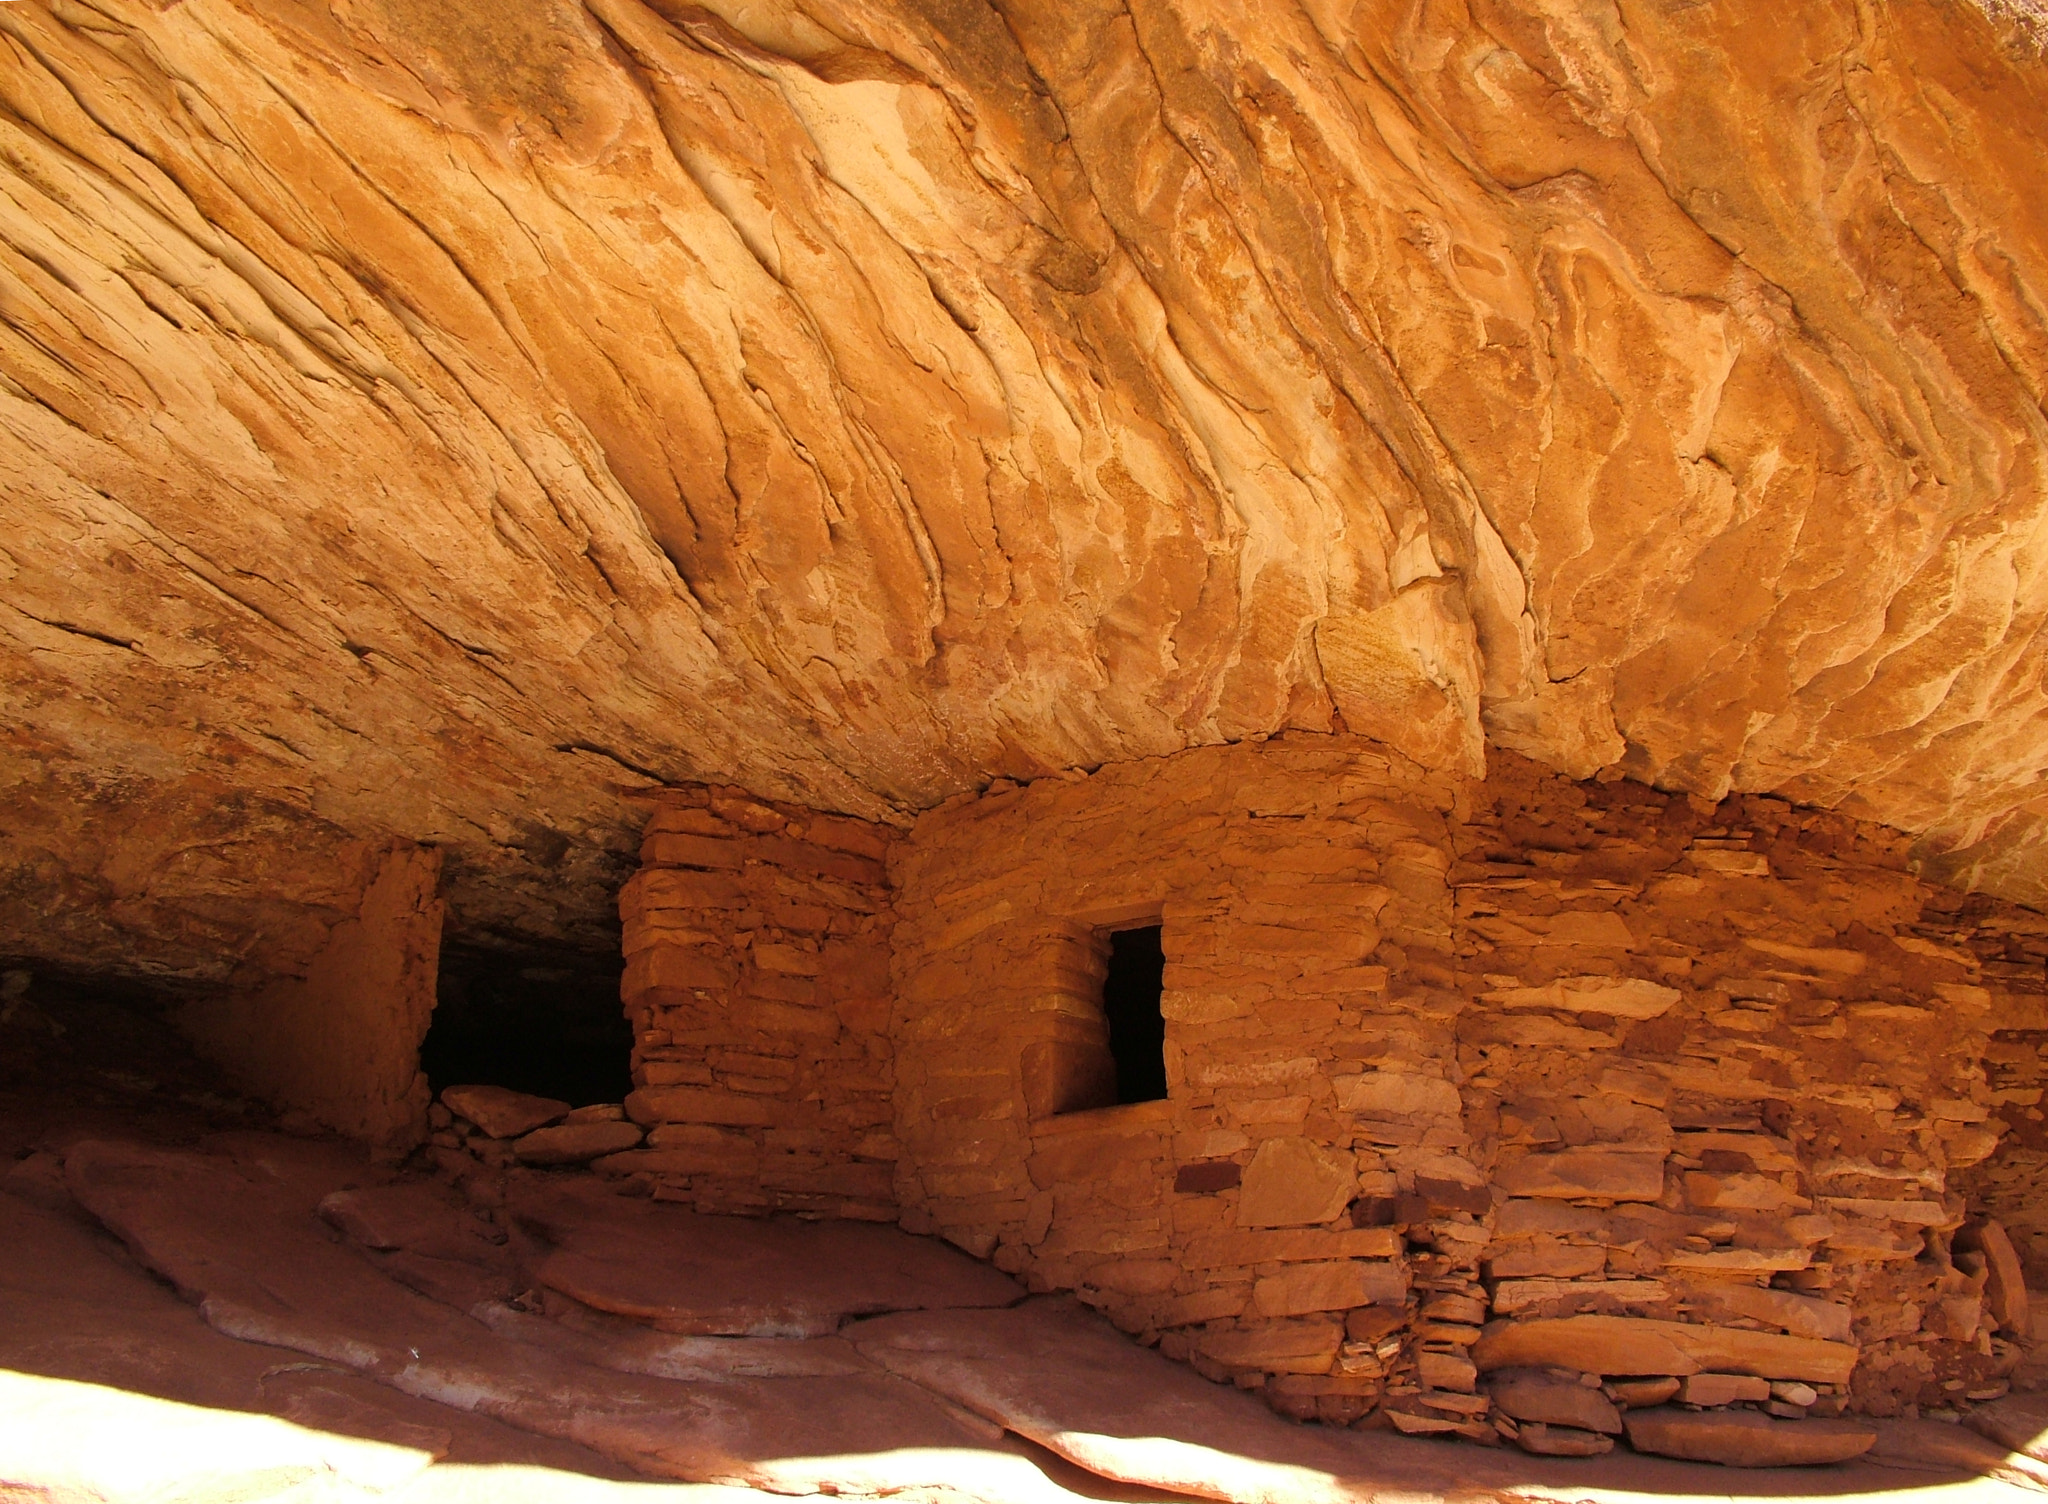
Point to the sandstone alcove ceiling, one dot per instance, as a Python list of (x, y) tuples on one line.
[(427, 424)]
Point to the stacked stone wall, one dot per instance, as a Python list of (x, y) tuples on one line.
[(1462, 1076), (2012, 1185), (757, 983)]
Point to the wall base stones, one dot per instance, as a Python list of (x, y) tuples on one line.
[(1471, 1081)]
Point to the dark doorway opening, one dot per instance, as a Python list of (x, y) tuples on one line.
[(1130, 1000), (545, 1022)]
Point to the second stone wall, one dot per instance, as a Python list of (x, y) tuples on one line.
[(757, 982), (1455, 1068)]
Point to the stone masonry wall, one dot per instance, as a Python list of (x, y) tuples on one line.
[(2012, 1185), (1462, 1076), (757, 982)]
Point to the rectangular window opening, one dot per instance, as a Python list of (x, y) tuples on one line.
[(1130, 1002)]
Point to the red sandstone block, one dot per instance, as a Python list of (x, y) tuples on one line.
[(807, 1140), (679, 888), (786, 960), (804, 918), (688, 821), (1084, 1157), (752, 1086), (871, 903), (856, 837), (779, 1064), (675, 967), (688, 1017), (802, 856), (861, 1181), (1296, 855), (995, 1101), (748, 813), (1291, 1245), (850, 1210), (1344, 943), (1134, 1276), (793, 1018), (698, 1104), (1217, 1303), (1345, 981), (780, 988), (966, 1184), (690, 851), (857, 965), (1207, 1177), (866, 1014), (672, 1073)]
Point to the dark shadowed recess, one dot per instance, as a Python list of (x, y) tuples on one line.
[(1131, 996), (100, 1053), (541, 1021)]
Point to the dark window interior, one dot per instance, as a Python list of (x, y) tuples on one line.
[(1130, 999), (549, 1023)]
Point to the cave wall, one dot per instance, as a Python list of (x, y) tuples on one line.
[(339, 1043), (757, 982), (1446, 1052)]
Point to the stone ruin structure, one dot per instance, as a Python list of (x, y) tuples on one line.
[(1359, 682), (1463, 1080)]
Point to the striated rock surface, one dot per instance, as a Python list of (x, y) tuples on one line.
[(427, 425)]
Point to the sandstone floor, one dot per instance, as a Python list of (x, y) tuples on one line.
[(198, 1311)]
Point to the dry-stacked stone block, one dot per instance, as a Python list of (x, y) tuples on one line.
[(1476, 1088), (757, 982)]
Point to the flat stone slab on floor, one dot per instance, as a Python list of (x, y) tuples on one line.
[(263, 1269), (1947, 1447), (685, 1273), (1055, 1372), (74, 1308), (2019, 1423)]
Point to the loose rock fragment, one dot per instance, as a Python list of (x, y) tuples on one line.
[(1640, 1394), (2005, 1285), (574, 1143), (503, 1113), (1722, 1389), (1533, 1395)]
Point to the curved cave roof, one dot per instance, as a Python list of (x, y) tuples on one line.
[(440, 423)]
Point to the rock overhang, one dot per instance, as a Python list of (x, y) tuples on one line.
[(859, 405)]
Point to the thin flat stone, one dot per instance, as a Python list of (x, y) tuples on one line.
[(501, 1112), (574, 1143), (1545, 1399), (1639, 1346), (1743, 1438)]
